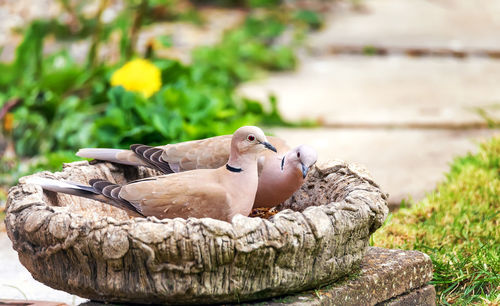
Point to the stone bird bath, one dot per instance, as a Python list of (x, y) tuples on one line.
[(96, 251)]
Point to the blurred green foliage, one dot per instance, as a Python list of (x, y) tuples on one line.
[(66, 105), (245, 50), (241, 3), (13, 168)]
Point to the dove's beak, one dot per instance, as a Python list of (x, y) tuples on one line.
[(305, 169), (269, 146)]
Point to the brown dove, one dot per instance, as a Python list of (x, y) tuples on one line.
[(219, 193), (279, 175)]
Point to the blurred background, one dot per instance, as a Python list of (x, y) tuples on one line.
[(399, 87)]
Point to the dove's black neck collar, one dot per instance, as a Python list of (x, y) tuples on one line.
[(282, 163), (232, 169)]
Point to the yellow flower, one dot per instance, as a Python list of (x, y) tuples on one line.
[(8, 123), (138, 75)]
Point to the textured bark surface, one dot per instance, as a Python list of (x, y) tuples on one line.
[(96, 251)]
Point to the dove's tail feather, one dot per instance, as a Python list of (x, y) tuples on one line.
[(126, 157), (84, 191), (63, 187)]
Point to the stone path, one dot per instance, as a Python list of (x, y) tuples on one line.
[(457, 24), (403, 117), (388, 91)]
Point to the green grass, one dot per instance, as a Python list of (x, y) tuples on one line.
[(458, 225)]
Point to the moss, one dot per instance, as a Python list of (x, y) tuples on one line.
[(458, 225)]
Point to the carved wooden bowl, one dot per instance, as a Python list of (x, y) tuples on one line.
[(96, 251)]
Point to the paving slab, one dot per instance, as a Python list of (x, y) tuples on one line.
[(384, 274), (387, 277), (455, 24), (422, 296), (386, 91), (406, 163), (16, 282)]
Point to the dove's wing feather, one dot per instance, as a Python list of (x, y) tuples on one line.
[(193, 193), (207, 153)]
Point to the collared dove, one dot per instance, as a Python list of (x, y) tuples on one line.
[(219, 193), (279, 175)]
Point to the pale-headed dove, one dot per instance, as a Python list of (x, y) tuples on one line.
[(279, 175), (219, 193)]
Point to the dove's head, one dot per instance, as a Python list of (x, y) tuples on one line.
[(250, 139), (302, 157)]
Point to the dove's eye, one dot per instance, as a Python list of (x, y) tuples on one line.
[(298, 154), (251, 137)]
